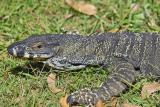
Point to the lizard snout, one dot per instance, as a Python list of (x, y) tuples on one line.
[(17, 51)]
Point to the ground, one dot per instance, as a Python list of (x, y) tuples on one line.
[(24, 84)]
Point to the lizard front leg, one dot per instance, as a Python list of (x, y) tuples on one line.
[(116, 83)]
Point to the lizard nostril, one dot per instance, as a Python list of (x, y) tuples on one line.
[(18, 51), (10, 50)]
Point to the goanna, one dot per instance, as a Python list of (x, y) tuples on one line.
[(131, 54)]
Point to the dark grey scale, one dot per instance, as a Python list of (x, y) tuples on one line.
[(148, 61), (120, 49), (109, 47), (153, 62), (157, 57), (113, 41), (118, 84), (98, 53), (89, 57), (123, 64), (93, 97), (126, 70), (125, 75), (86, 96), (103, 93), (136, 55), (131, 43), (113, 82), (81, 52), (128, 43)]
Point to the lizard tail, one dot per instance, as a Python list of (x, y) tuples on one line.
[(116, 83)]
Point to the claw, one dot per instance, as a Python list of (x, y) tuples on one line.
[(69, 99)]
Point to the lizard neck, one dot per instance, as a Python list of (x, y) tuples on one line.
[(91, 50)]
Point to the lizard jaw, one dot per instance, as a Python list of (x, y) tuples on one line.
[(21, 52)]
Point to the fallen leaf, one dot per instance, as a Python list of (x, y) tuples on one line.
[(82, 7), (5, 75), (67, 16), (149, 88), (134, 7), (114, 30), (63, 102), (70, 2), (128, 105), (112, 103), (152, 22), (51, 83), (100, 104)]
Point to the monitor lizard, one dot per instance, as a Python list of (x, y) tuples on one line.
[(131, 54)]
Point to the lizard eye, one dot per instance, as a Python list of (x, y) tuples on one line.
[(27, 48), (39, 46)]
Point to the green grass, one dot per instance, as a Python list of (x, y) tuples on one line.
[(22, 86)]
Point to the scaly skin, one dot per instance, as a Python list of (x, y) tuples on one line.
[(131, 54)]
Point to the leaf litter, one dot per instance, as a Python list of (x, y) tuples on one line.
[(149, 88), (52, 83), (82, 7)]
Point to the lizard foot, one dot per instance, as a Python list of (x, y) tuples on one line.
[(85, 97), (63, 102)]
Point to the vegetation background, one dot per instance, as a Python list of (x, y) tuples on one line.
[(25, 85)]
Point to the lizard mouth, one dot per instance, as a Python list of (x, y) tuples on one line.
[(37, 56), (62, 64), (21, 52)]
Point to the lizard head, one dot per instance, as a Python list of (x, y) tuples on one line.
[(33, 48), (47, 49)]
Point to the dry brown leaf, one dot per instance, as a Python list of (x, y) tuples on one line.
[(63, 102), (82, 7), (67, 16), (51, 83), (5, 75), (128, 105), (112, 103), (152, 22), (134, 7), (100, 104), (114, 30), (149, 88)]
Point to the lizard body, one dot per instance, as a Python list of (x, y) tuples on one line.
[(132, 54)]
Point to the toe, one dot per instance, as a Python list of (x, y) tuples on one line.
[(70, 100)]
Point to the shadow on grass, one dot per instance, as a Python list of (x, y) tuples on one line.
[(36, 69), (31, 68)]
